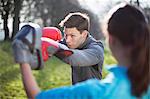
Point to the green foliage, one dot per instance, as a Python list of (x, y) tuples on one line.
[(55, 73), (5, 54), (108, 59), (10, 79)]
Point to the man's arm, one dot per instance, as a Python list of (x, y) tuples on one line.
[(92, 55), (85, 57), (29, 82)]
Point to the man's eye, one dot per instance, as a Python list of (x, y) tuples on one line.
[(72, 35), (65, 36)]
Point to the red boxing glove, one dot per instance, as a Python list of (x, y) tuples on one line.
[(51, 47), (49, 36), (52, 33)]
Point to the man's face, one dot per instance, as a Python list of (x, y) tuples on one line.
[(74, 38)]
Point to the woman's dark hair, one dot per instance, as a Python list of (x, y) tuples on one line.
[(76, 19), (129, 25)]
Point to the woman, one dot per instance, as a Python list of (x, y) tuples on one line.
[(129, 42)]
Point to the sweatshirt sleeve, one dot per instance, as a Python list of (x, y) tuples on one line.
[(85, 90), (92, 55)]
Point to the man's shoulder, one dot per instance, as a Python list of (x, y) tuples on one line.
[(94, 42)]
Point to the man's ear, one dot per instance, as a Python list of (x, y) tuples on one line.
[(85, 33)]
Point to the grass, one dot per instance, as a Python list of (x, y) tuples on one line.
[(55, 74)]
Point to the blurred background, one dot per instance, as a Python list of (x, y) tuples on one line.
[(14, 13)]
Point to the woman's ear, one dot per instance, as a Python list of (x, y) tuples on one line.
[(113, 41), (110, 39)]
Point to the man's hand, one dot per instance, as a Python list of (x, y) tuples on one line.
[(49, 36), (51, 47), (50, 43)]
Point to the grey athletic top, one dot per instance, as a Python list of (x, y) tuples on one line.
[(86, 61)]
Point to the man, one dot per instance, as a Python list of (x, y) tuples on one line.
[(88, 54)]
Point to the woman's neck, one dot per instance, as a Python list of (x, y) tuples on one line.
[(122, 57)]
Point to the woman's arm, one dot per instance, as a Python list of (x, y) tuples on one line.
[(29, 81)]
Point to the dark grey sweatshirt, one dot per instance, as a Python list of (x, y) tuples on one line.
[(86, 61)]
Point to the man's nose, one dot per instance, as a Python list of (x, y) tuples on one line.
[(68, 39)]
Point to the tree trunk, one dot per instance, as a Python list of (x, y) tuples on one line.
[(6, 29), (16, 18), (5, 14), (138, 3)]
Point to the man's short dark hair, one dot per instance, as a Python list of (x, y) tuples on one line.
[(77, 20)]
